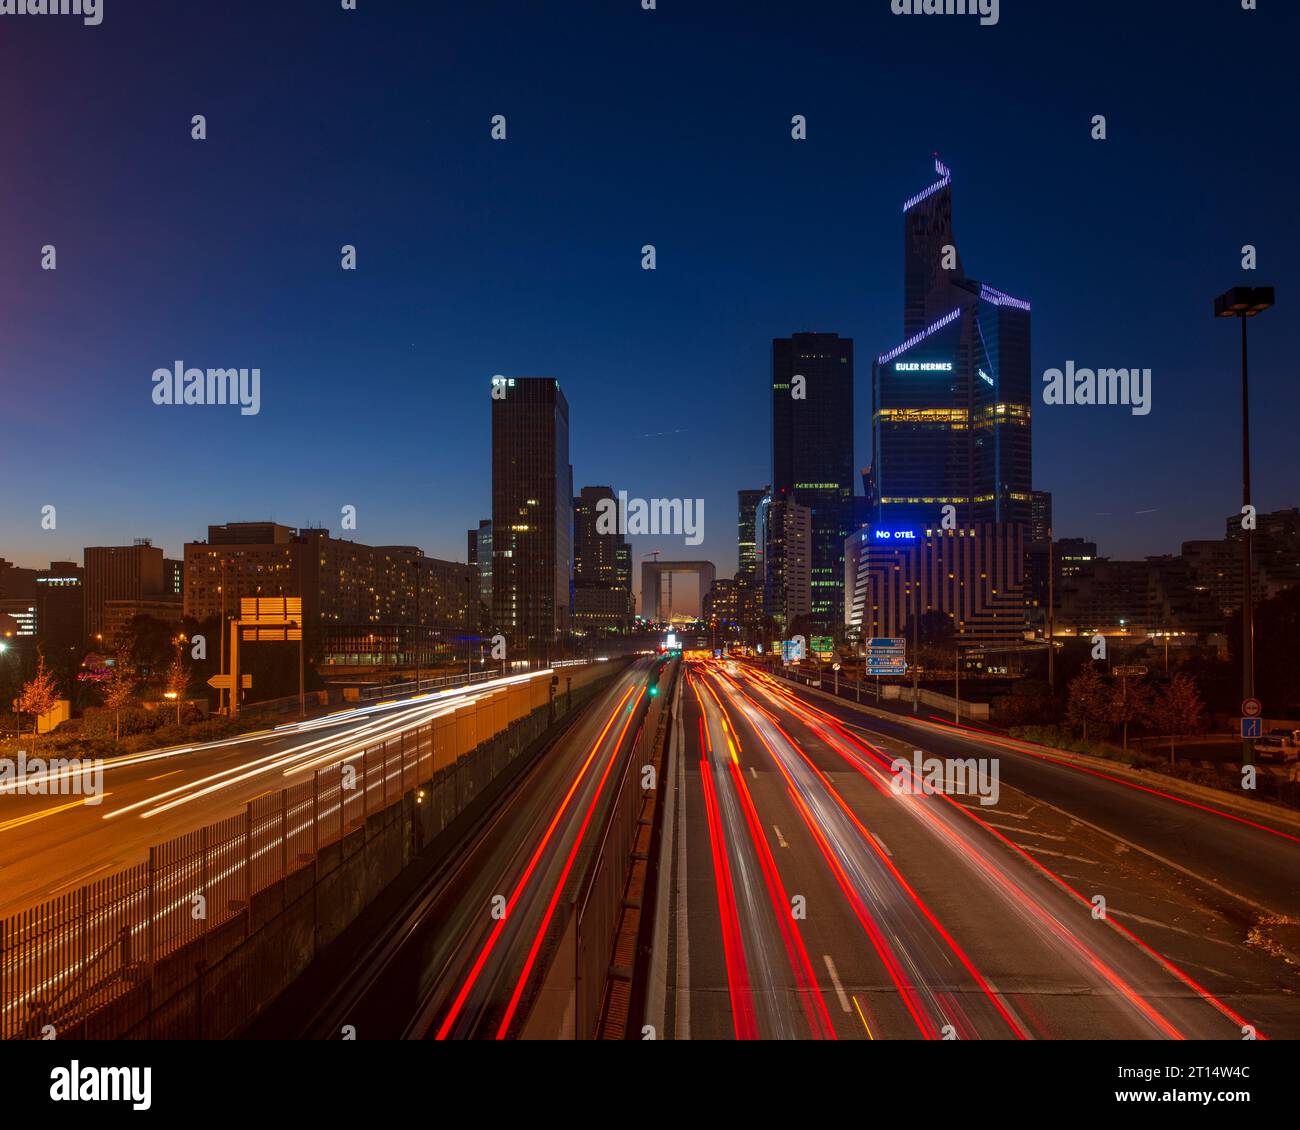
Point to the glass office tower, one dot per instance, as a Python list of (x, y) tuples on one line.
[(812, 454), (951, 407)]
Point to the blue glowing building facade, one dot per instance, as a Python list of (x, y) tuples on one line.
[(951, 407)]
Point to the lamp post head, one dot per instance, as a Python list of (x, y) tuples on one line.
[(1243, 302)]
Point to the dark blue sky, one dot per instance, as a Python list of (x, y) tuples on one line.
[(626, 127)]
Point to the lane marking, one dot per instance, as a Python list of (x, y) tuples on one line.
[(780, 839), (31, 817), (83, 876), (862, 1018), (754, 772), (835, 980), (162, 775), (1058, 855), (1164, 860), (1027, 832)]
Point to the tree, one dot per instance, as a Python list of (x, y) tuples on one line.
[(1179, 710), (178, 680), (38, 696), (1130, 701), (936, 635), (119, 689), (1088, 696)]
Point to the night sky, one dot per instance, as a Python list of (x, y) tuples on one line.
[(626, 127)]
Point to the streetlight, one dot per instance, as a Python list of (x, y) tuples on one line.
[(1245, 302)]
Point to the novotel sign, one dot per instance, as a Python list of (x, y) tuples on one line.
[(923, 366), (894, 535)]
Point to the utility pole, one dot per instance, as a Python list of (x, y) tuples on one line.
[(221, 694), (1247, 558), (1051, 611), (956, 689), (1243, 302), (916, 642)]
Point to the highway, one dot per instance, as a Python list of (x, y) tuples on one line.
[(464, 958), (814, 899), (50, 844)]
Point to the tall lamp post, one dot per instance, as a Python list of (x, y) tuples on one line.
[(1244, 302)]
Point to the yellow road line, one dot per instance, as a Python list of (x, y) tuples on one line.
[(861, 1017), (19, 821)]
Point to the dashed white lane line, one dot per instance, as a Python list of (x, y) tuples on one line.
[(1026, 832), (835, 981), (780, 839), (1057, 854)]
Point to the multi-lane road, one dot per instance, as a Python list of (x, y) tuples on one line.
[(819, 893), (52, 842), (465, 958)]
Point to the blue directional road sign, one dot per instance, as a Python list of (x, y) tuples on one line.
[(1252, 727)]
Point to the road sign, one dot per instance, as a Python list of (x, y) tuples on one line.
[(887, 643), (1252, 708), (282, 616), (1252, 727), (222, 682), (885, 667)]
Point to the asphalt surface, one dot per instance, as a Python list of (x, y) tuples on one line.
[(814, 899)]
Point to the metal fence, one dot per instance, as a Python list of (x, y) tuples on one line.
[(66, 959)]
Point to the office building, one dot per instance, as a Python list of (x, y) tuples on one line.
[(359, 601), (602, 564), (951, 403), (812, 454), (119, 572), (532, 519), (973, 575), (787, 534)]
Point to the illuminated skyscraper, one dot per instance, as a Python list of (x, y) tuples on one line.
[(532, 513), (812, 454), (602, 563), (951, 404)]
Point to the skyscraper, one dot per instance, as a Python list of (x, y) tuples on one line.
[(532, 512), (480, 556), (602, 563), (951, 406), (747, 519), (787, 530), (812, 454), (745, 603)]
